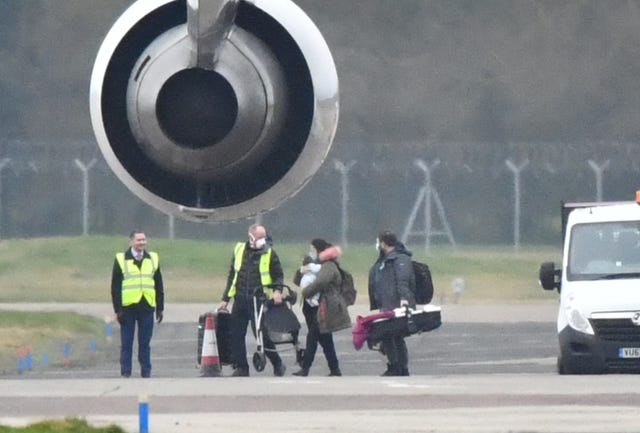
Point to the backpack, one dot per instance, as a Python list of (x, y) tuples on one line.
[(424, 284), (348, 289)]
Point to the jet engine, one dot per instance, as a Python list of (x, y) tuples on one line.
[(214, 110)]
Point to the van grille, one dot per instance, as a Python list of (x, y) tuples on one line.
[(616, 329)]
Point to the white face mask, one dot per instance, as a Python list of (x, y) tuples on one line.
[(256, 243)]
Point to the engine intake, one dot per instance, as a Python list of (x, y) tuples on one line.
[(214, 110)]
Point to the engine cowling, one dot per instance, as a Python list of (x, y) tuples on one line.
[(214, 110)]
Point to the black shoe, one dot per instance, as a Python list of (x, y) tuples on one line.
[(241, 372), (125, 375), (299, 356), (303, 372), (279, 370), (392, 371), (335, 372)]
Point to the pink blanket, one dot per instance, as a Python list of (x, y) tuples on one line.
[(363, 324)]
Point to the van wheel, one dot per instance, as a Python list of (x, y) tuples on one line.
[(560, 366)]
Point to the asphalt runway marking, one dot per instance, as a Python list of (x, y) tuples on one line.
[(539, 361), (104, 405)]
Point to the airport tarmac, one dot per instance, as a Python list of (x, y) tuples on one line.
[(537, 400), (472, 403)]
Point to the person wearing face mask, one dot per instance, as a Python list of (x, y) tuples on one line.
[(391, 285), (254, 264), (327, 284)]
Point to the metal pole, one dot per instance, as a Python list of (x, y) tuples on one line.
[(85, 192), (3, 163), (427, 168), (344, 192), (598, 170), (516, 169), (172, 232)]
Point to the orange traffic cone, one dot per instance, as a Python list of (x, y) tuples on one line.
[(210, 362)]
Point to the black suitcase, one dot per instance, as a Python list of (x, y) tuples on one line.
[(222, 320), (424, 319)]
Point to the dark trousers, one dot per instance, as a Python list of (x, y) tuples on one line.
[(128, 321), (241, 316), (395, 348), (314, 337)]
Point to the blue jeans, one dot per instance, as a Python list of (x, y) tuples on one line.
[(127, 331)]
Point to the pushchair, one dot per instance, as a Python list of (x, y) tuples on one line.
[(278, 322)]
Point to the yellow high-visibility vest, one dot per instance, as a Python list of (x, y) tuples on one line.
[(138, 282), (265, 274)]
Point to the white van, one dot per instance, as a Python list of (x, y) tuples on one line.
[(599, 286)]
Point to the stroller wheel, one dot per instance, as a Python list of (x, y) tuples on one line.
[(259, 361), (299, 356)]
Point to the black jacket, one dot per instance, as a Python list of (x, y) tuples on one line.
[(391, 279), (249, 275)]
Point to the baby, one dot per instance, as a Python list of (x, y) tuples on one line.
[(309, 277)]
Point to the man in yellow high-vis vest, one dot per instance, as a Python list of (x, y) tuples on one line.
[(137, 291), (254, 264)]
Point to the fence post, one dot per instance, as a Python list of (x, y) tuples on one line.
[(516, 169), (3, 163), (85, 192), (598, 170), (344, 192)]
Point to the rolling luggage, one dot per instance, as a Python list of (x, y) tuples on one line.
[(223, 335)]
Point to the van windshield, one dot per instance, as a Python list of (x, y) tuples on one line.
[(607, 250)]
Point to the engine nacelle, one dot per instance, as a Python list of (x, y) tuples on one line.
[(214, 110)]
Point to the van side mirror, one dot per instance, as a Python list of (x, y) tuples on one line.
[(549, 276)]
